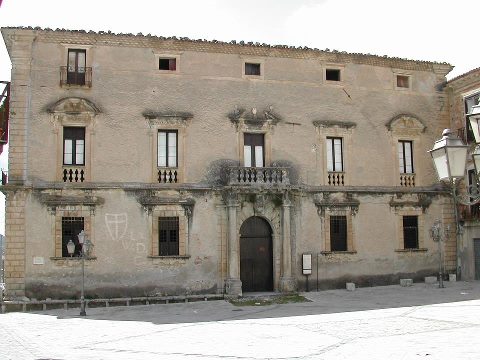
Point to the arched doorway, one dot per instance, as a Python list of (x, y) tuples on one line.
[(256, 256)]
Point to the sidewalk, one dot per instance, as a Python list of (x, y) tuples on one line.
[(390, 322)]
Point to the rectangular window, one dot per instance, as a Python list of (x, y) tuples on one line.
[(338, 233), (167, 144), (470, 101), (410, 232), (169, 64), (405, 156), (74, 146), (252, 69), (253, 150), (332, 74), (71, 227), (76, 66), (334, 154), (168, 236), (403, 81)]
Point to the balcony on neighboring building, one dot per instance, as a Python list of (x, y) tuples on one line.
[(82, 77), (240, 175)]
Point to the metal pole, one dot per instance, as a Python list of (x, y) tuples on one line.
[(457, 232), (440, 270), (82, 296)]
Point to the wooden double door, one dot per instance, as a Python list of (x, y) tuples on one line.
[(256, 255)]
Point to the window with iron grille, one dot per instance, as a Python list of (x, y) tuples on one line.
[(76, 66), (410, 232), (74, 145), (405, 156), (71, 227), (168, 236), (338, 233), (167, 144), (334, 154)]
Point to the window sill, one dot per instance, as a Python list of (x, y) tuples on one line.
[(73, 258), (351, 252), (411, 250), (170, 257)]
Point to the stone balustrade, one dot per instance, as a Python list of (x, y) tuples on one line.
[(259, 175)]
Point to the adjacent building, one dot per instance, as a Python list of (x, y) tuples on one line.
[(464, 93), (209, 167)]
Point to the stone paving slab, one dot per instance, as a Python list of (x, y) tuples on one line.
[(390, 322)]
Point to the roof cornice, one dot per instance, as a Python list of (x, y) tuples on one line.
[(232, 47)]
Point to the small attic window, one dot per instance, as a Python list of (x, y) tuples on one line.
[(403, 81), (332, 74), (252, 69), (167, 64)]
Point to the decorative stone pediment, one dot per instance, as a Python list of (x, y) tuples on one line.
[(406, 125), (332, 202), (54, 201), (149, 201), (254, 119), (73, 111), (173, 118), (415, 202), (74, 106)]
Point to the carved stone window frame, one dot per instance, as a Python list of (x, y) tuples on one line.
[(168, 55), (253, 60), (410, 211), (74, 112), (157, 206), (89, 54), (405, 73), (334, 66), (335, 129), (167, 120), (329, 206), (406, 127)]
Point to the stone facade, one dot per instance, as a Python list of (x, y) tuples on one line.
[(299, 102)]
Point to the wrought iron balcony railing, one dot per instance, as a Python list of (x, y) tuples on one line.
[(76, 78), (259, 175)]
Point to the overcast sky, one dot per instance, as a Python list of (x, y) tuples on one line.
[(433, 30)]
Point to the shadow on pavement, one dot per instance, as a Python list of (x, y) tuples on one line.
[(322, 302)]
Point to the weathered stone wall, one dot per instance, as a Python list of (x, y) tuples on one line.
[(208, 86)]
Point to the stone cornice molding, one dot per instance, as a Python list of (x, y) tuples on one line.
[(54, 201), (150, 201), (331, 204), (161, 43), (175, 118), (334, 124), (422, 202)]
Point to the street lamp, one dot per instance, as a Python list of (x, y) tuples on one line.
[(86, 247)]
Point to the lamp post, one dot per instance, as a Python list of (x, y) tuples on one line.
[(86, 246)]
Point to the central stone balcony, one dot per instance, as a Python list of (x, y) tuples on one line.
[(240, 175)]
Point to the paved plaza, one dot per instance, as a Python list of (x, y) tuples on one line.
[(390, 322)]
